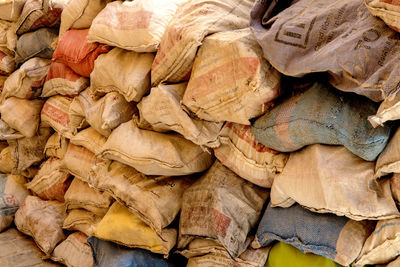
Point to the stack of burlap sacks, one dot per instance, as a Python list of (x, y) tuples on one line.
[(136, 131)]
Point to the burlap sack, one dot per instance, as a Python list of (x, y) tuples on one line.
[(11, 9), (122, 227), (30, 172), (78, 108), (162, 109), (2, 81), (56, 146), (155, 153), (335, 237), (383, 245), (387, 10), (81, 220), (90, 139), (12, 195), (6, 161), (81, 196), (340, 182), (395, 187), (78, 14), (230, 79), (50, 183), (8, 37), (7, 61), (359, 52), (144, 19), (39, 13), (122, 71), (26, 152), (389, 160), (43, 221), (155, 200), (193, 21), (74, 251), (62, 80), (7, 133), (223, 207), (55, 114), (27, 81), (244, 155), (109, 112), (341, 119)]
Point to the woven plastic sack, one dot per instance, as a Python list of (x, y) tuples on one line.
[(56, 146), (341, 119), (192, 22), (11, 9), (223, 207), (334, 237), (90, 139), (144, 19), (55, 114), (389, 160), (162, 109), (12, 195), (81, 220), (74, 251), (244, 155), (78, 161), (43, 221), (155, 153)]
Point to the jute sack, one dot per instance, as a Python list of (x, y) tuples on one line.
[(39, 13), (27, 81), (223, 207), (56, 146), (230, 79), (359, 52), (144, 19), (90, 139), (125, 72), (79, 14), (162, 109), (22, 115), (8, 37), (40, 43), (109, 112), (11, 9), (121, 226), (50, 183), (155, 153), (62, 80), (244, 155), (43, 221), (79, 106), (12, 195), (26, 152), (2, 81), (335, 237), (395, 187), (340, 181), (193, 21), (77, 53), (74, 251), (341, 119), (78, 161), (6, 161), (7, 61), (155, 200), (81, 220), (7, 133), (55, 114), (383, 245), (389, 160), (387, 10), (81, 196)]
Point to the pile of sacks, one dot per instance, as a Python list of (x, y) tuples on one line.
[(206, 133)]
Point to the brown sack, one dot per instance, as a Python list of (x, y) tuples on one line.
[(56, 146), (90, 139), (43, 221), (6, 162), (162, 109), (395, 187), (223, 207), (389, 110), (7, 61), (78, 107), (8, 37), (387, 10), (389, 160), (7, 133), (55, 114), (333, 180), (78, 161), (155, 153), (11, 9), (81, 220), (74, 251)]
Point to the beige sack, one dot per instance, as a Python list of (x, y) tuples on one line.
[(394, 263), (230, 80), (6, 162), (22, 115), (56, 146), (78, 161), (122, 71), (8, 37), (7, 133), (333, 180), (27, 81), (155, 153), (109, 112), (7, 61), (389, 160), (81, 196), (74, 251), (50, 183), (223, 207), (90, 139), (81, 220), (55, 114), (78, 108), (11, 9), (163, 111), (43, 221), (155, 200), (383, 245), (389, 110), (387, 10), (395, 187), (193, 21), (243, 154), (145, 19), (79, 14)]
